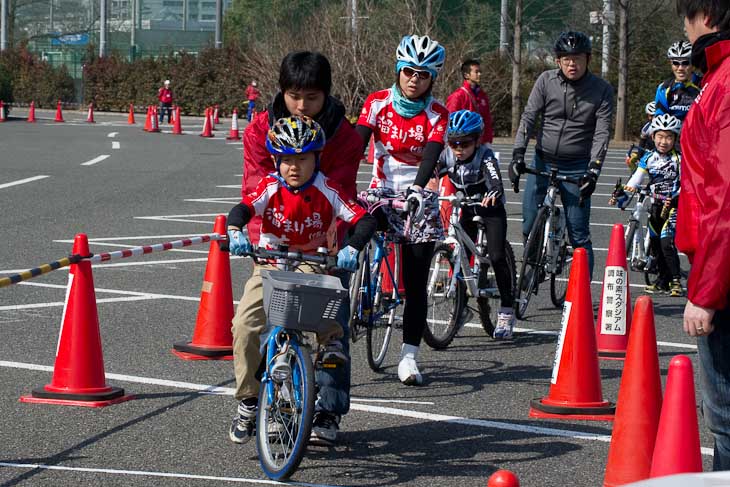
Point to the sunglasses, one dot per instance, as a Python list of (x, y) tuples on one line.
[(680, 63), (463, 144), (410, 73)]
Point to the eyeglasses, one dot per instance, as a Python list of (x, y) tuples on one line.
[(461, 144), (680, 63), (410, 73)]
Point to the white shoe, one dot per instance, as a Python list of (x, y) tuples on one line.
[(505, 325), (408, 372)]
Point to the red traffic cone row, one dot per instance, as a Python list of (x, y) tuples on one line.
[(90, 114), (575, 386), (59, 113), (614, 310), (212, 338), (677, 447), (31, 112), (207, 129), (176, 122), (130, 117), (154, 120), (78, 374), (639, 403), (216, 120), (148, 119), (234, 133), (2, 112), (503, 478)]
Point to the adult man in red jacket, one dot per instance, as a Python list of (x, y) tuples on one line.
[(305, 81), (164, 95), (470, 96), (703, 232), (252, 94)]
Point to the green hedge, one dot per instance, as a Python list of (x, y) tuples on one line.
[(25, 78)]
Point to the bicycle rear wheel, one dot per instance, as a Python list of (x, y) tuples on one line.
[(532, 264), (559, 279), (489, 306), (284, 420), (444, 313), (380, 319), (359, 291)]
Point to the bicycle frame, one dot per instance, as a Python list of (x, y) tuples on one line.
[(641, 238), (374, 279), (552, 239)]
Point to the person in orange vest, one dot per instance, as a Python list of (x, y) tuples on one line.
[(252, 93), (470, 96), (165, 97)]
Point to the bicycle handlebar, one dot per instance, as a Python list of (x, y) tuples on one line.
[(462, 199), (397, 202), (553, 176), (321, 257)]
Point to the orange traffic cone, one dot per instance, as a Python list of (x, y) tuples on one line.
[(678, 437), (639, 403), (212, 338), (59, 113), (216, 120), (503, 478), (130, 117), (90, 115), (176, 122), (148, 119), (614, 311), (78, 374), (155, 124), (234, 133), (207, 129), (31, 112), (575, 386)]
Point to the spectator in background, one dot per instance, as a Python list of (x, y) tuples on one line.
[(470, 96), (165, 97), (252, 94), (702, 217)]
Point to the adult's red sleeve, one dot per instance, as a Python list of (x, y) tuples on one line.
[(257, 163), (488, 135), (457, 101)]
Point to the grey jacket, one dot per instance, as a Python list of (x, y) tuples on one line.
[(576, 118)]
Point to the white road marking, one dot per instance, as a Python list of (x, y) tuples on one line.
[(22, 181), (111, 135), (95, 160), (501, 425), (14, 307), (116, 145), (190, 251)]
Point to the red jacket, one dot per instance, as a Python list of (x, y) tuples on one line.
[(252, 93), (464, 99), (339, 161), (165, 95), (703, 217)]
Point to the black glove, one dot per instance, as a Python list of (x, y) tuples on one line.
[(589, 179), (516, 168)]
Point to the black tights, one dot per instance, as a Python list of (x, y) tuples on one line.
[(416, 264)]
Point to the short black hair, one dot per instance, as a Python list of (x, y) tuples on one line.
[(305, 70), (718, 11), (466, 66)]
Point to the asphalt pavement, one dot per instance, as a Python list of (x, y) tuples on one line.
[(468, 420)]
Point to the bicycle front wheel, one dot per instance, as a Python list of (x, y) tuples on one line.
[(444, 312), (630, 232), (489, 306), (532, 264), (380, 318), (559, 279), (284, 420), (358, 292)]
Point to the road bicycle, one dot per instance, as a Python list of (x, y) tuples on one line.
[(374, 287), (454, 278), (547, 251), (295, 303)]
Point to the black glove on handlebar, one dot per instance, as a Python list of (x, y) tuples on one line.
[(516, 168), (588, 180)]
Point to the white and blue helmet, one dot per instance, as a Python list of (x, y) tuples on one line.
[(680, 50), (463, 123), (420, 52), (667, 122)]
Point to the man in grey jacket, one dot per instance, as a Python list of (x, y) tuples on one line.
[(576, 109)]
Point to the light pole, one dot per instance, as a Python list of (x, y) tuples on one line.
[(3, 25), (606, 18), (102, 28)]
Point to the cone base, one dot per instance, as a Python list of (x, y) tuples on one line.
[(210, 136), (603, 411), (153, 130), (188, 351), (612, 354), (233, 137), (114, 395)]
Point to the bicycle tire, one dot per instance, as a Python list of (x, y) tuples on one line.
[(630, 232), (559, 281), (358, 281), (443, 315), (379, 331), (488, 307), (530, 269), (281, 451)]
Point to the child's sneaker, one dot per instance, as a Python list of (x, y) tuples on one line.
[(333, 353), (243, 427), (656, 288), (324, 428), (505, 325), (675, 289)]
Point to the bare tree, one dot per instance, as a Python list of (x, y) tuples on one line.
[(623, 70), (516, 64)]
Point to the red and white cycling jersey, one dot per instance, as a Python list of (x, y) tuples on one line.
[(399, 141), (304, 220)]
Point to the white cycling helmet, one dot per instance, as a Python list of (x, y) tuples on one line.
[(650, 108), (666, 122), (420, 52), (680, 50)]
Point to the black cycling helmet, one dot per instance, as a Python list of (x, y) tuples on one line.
[(572, 43)]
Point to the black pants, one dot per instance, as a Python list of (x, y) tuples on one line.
[(662, 243), (495, 221)]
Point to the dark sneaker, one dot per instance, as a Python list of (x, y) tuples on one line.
[(243, 427), (675, 289), (656, 288), (334, 354), (324, 428)]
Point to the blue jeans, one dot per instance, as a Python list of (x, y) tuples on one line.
[(714, 355), (166, 107), (577, 219), (251, 107)]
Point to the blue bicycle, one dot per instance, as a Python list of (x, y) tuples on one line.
[(295, 303)]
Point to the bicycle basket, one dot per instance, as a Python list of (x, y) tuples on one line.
[(300, 301)]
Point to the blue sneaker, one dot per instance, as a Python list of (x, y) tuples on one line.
[(505, 325)]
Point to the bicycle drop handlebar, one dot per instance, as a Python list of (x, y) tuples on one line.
[(554, 178)]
